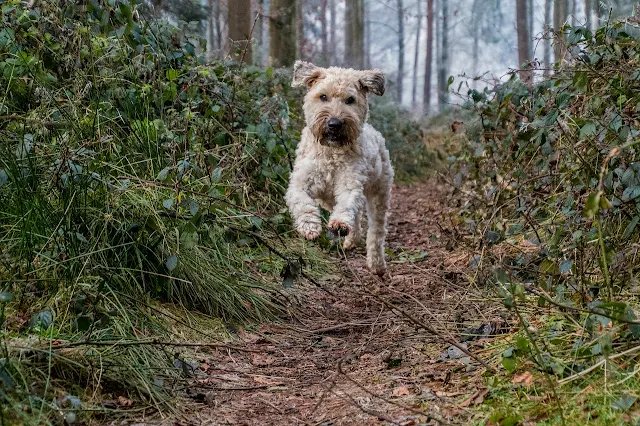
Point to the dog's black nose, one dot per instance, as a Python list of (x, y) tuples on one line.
[(334, 124)]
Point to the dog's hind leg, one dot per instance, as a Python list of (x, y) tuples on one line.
[(377, 207)]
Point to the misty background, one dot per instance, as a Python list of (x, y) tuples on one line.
[(473, 40)]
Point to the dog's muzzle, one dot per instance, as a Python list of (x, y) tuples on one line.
[(334, 134)]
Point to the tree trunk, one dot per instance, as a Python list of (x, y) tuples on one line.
[(572, 12), (218, 17), (300, 48), (400, 78), (426, 94), (560, 10), (524, 46), (443, 96), (324, 32), (476, 16), (259, 35), (547, 40), (211, 37), (332, 34), (282, 32), (239, 19), (354, 34), (367, 39), (416, 57), (531, 25), (588, 8)]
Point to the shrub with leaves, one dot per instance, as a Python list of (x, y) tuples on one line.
[(134, 178), (555, 174)]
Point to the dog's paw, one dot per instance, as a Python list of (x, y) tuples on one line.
[(349, 244), (310, 230), (338, 227)]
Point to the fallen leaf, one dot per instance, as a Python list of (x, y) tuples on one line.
[(525, 378), (401, 391), (204, 366), (124, 401), (264, 380), (447, 394), (260, 360), (476, 398)]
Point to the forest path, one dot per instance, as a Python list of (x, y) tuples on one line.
[(346, 358)]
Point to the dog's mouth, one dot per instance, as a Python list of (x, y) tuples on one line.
[(334, 139)]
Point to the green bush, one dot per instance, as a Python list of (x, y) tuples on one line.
[(554, 170), (405, 140), (131, 173)]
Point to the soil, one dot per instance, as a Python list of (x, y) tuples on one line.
[(351, 357)]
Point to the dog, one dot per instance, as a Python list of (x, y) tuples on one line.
[(342, 163)]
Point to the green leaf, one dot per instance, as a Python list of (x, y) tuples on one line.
[(631, 193), (164, 174), (509, 364), (630, 227), (565, 266), (171, 263), (592, 206), (216, 175), (588, 130), (168, 203), (624, 403), (6, 296)]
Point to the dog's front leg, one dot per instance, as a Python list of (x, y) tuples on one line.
[(303, 208), (349, 202)]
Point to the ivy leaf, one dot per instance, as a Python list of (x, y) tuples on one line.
[(171, 263), (631, 193), (630, 227), (588, 130), (565, 266), (168, 203), (6, 296), (164, 174)]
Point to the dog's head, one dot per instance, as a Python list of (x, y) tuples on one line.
[(336, 105)]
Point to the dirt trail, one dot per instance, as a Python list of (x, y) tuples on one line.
[(347, 359)]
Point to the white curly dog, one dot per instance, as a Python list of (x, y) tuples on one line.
[(342, 163)]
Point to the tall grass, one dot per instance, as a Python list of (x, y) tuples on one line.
[(132, 177)]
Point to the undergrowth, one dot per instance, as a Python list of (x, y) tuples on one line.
[(140, 206), (548, 183)]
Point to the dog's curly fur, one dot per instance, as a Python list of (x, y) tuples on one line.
[(343, 166)]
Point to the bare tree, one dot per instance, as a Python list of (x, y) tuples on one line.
[(354, 34), (560, 11), (524, 46), (426, 95), (443, 65), (416, 57), (588, 8), (282, 33), (217, 13), (239, 19), (324, 31), (332, 33), (211, 37), (259, 34), (400, 77), (300, 44), (531, 25), (547, 39)]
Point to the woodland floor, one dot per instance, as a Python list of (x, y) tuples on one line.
[(347, 359)]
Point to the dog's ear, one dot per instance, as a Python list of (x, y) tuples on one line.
[(306, 74), (373, 81)]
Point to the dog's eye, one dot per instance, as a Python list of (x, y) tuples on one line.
[(323, 98), (350, 100)]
